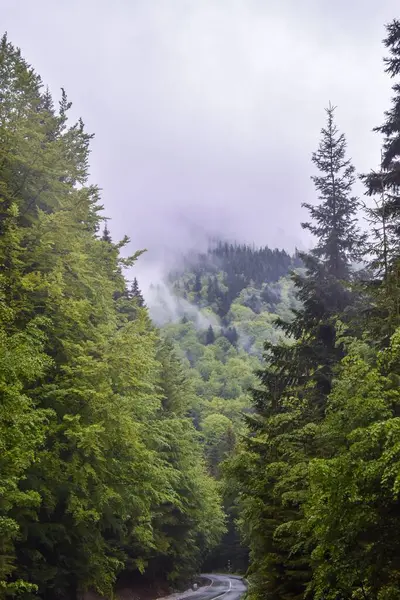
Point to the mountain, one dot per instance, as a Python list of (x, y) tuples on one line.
[(217, 310)]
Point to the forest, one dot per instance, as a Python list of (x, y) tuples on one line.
[(101, 468), (258, 422)]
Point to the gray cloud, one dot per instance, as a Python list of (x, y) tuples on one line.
[(206, 111)]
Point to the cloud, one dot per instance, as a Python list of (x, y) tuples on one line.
[(166, 307), (205, 112)]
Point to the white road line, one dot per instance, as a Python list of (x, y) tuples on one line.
[(199, 590), (208, 586), (223, 593)]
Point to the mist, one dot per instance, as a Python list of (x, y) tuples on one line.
[(205, 114)]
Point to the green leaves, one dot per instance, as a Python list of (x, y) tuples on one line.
[(352, 506), (101, 470), (291, 400)]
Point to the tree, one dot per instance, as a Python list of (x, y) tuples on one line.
[(388, 179), (384, 216), (334, 222), (88, 477), (295, 384), (197, 287), (352, 511), (106, 237), (324, 290), (219, 441), (210, 336), (231, 335), (136, 293)]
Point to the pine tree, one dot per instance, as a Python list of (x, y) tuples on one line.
[(197, 286), (296, 382), (324, 290), (106, 237), (211, 291), (87, 476), (136, 293), (388, 179), (334, 222), (210, 336), (384, 216)]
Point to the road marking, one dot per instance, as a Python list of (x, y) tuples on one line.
[(212, 597), (223, 593), (210, 584), (212, 581)]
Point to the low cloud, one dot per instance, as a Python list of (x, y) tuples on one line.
[(206, 113), (165, 307)]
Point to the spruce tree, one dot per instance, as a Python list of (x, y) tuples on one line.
[(333, 220), (384, 215), (388, 179), (210, 336), (136, 293), (106, 237), (296, 382), (197, 287), (86, 475)]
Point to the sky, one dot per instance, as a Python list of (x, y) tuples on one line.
[(206, 112)]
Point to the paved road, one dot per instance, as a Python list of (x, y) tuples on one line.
[(222, 587)]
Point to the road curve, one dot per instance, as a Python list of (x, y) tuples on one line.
[(222, 587)]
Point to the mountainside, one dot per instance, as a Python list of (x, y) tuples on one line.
[(217, 311)]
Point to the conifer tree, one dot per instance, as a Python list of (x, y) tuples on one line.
[(106, 237), (84, 469), (197, 287), (388, 179), (136, 293), (210, 335), (296, 382), (212, 290), (384, 216), (333, 221)]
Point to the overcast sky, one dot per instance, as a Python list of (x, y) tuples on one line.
[(206, 111)]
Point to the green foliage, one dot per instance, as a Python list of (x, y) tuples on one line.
[(245, 286), (90, 484), (219, 440), (118, 441), (352, 509), (317, 477), (272, 468)]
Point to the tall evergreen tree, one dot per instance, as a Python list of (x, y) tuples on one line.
[(333, 220), (210, 335), (136, 293), (296, 382), (384, 215), (84, 469), (388, 179)]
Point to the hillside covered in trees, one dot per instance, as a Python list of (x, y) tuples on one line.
[(258, 396), (218, 310)]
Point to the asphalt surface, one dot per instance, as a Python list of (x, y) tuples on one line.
[(221, 586)]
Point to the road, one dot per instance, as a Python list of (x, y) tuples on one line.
[(222, 587)]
